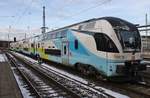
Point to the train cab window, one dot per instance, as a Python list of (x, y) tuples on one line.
[(76, 44), (104, 43)]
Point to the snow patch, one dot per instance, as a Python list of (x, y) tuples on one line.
[(146, 62), (110, 92), (3, 58), (24, 91)]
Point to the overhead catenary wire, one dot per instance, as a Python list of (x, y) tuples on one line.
[(19, 17), (24, 12), (62, 7), (84, 10), (7, 16), (89, 8)]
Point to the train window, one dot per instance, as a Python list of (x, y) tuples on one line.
[(52, 36), (55, 52), (32, 45), (49, 36), (63, 34), (38, 45), (80, 27), (65, 50), (76, 44), (59, 34), (104, 43), (90, 25)]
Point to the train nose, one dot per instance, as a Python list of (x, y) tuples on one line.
[(130, 67), (133, 57)]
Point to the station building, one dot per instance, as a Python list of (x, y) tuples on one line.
[(146, 46), (4, 44), (146, 43)]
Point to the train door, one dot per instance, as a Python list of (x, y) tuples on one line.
[(65, 52)]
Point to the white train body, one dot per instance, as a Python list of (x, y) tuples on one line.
[(109, 45)]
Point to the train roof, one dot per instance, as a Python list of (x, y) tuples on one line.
[(113, 20), (120, 22)]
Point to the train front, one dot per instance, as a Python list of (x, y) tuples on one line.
[(130, 40)]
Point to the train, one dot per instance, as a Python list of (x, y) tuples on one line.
[(108, 46)]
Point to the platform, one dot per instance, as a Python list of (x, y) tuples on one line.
[(8, 84)]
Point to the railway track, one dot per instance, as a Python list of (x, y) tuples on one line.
[(136, 90), (27, 82), (72, 87), (146, 78), (141, 90), (40, 87)]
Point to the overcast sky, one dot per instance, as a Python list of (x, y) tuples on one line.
[(26, 15)]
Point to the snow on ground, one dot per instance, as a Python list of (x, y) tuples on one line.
[(21, 85), (115, 94), (3, 58), (146, 61)]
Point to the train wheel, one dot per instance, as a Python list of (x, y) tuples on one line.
[(92, 70), (77, 66), (82, 68)]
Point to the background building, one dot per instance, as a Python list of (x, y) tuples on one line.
[(4, 44), (146, 43)]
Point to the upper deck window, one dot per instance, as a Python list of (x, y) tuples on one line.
[(104, 43)]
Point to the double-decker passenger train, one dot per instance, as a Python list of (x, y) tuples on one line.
[(109, 46)]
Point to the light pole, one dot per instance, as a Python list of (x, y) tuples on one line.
[(44, 23), (146, 31), (9, 31)]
